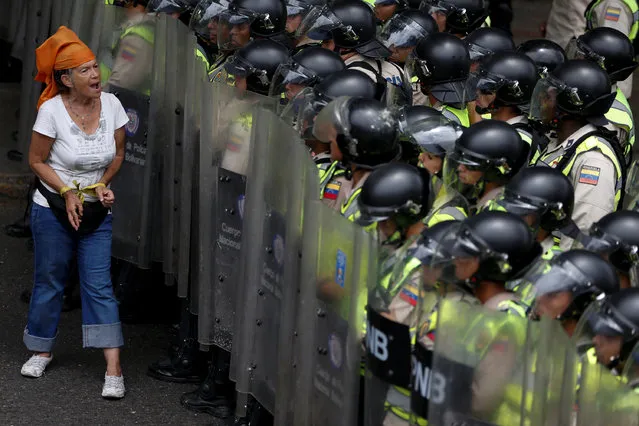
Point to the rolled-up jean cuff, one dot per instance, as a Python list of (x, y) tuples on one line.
[(102, 336), (38, 344)]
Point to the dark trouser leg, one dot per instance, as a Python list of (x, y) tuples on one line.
[(185, 363), (215, 394), (256, 415)]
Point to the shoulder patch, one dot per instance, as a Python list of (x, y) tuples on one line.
[(408, 296), (332, 190), (613, 14), (589, 175)]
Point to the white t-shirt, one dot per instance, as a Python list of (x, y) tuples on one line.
[(75, 155)]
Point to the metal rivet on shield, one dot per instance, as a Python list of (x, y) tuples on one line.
[(321, 313), (258, 322), (178, 111), (175, 181), (217, 320), (139, 238), (39, 13), (269, 250), (253, 366), (220, 278), (260, 292), (230, 211)]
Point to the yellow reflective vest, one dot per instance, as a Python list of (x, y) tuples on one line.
[(620, 115), (591, 19)]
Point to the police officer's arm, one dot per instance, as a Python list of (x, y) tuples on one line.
[(133, 63), (614, 14), (594, 179), (493, 373)]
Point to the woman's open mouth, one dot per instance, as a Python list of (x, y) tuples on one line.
[(96, 86)]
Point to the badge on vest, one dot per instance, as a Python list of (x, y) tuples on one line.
[(589, 175), (613, 14), (332, 190)]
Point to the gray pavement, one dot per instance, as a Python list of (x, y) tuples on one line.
[(69, 392)]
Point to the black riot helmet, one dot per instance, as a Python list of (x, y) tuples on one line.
[(616, 235), (403, 31), (584, 274), (462, 16), (502, 242), (492, 147), (618, 315), (410, 115), (484, 42), (507, 79), (365, 130), (396, 190), (263, 18), (425, 130), (306, 68), (350, 23), (426, 248), (257, 62), (577, 88), (311, 100), (609, 48), (546, 54), (441, 62), (205, 19), (542, 194)]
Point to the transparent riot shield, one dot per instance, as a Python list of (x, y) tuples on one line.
[(225, 151), (603, 398), (181, 46), (395, 302), (339, 258), (477, 371), (83, 19), (551, 382), (271, 243), (196, 87), (631, 369), (137, 182), (37, 14)]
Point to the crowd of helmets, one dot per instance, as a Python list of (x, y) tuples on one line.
[(505, 172)]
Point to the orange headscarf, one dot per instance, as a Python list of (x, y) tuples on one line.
[(63, 50)]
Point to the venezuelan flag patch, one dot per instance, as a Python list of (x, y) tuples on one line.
[(408, 296), (129, 53), (589, 175), (613, 13), (332, 190), (234, 144)]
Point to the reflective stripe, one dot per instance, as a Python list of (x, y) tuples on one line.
[(349, 209), (620, 115), (631, 4), (202, 56), (591, 143), (447, 214)]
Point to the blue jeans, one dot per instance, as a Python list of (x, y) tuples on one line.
[(54, 248)]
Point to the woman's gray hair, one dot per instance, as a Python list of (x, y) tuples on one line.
[(57, 77)]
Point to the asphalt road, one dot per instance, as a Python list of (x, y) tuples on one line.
[(70, 391)]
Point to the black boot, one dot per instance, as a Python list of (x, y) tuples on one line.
[(256, 415), (215, 394), (185, 363)]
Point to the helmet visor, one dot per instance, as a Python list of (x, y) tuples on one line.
[(435, 135), (318, 24), (333, 120), (234, 29), (168, 6), (205, 19), (401, 32), (477, 52), (547, 277), (543, 104), (305, 107), (577, 49), (290, 79), (436, 6)]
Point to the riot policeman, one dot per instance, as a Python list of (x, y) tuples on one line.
[(205, 23), (613, 326), (350, 28), (621, 15), (401, 34), (248, 19), (564, 286), (573, 99), (308, 67), (459, 17), (546, 54), (544, 198), (303, 110), (615, 237), (505, 83), (441, 63), (386, 9), (613, 51), (364, 135), (296, 12), (486, 156)]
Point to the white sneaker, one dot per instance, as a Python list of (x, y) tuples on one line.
[(35, 366), (113, 387)]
